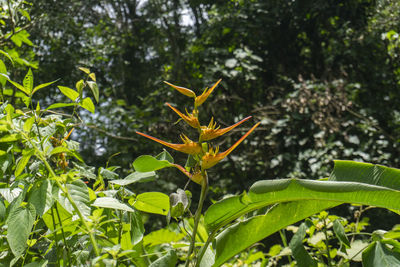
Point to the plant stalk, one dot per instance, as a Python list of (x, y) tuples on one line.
[(204, 188)]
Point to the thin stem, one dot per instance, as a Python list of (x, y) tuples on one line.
[(204, 188), (284, 242), (327, 243)]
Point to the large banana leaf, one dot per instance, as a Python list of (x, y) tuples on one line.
[(298, 199)]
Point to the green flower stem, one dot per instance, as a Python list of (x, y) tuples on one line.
[(204, 188), (205, 246)]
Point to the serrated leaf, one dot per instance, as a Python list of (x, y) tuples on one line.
[(80, 194), (68, 92), (88, 104), (20, 222), (85, 70), (111, 203), (28, 81), (95, 90), (152, 202), (22, 163)]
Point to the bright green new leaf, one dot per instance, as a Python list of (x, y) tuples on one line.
[(92, 76), (68, 92), (10, 138), (7, 56), (111, 203), (43, 85), (66, 219), (59, 149), (95, 89), (20, 222), (28, 124), (60, 105), (28, 81), (148, 163), (378, 254), (85, 70), (152, 202), (20, 87), (88, 104), (3, 70), (22, 162)]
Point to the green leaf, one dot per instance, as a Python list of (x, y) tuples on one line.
[(20, 87), (165, 156), (59, 149), (2, 211), (42, 197), (148, 163), (378, 254), (298, 251), (43, 85), (60, 105), (85, 70), (95, 89), (319, 194), (88, 104), (137, 230), (42, 263), (20, 222), (152, 202), (79, 86), (28, 81), (135, 177), (7, 56), (92, 76), (162, 236), (22, 162), (68, 92), (3, 70), (28, 124), (51, 219), (80, 194), (168, 260), (9, 138), (111, 203), (340, 233)]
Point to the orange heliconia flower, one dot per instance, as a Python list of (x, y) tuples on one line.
[(211, 131), (196, 177), (188, 146), (198, 100), (190, 119), (212, 157)]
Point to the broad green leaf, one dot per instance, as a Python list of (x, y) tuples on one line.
[(378, 254), (20, 87), (59, 149), (111, 203), (107, 174), (152, 202), (168, 260), (28, 81), (85, 70), (162, 236), (340, 233), (95, 89), (7, 56), (60, 105), (165, 156), (269, 192), (42, 197), (135, 177), (20, 222), (68, 92), (88, 104), (148, 163), (3, 70), (80, 194), (10, 138), (298, 251), (10, 194), (43, 85), (28, 124), (66, 219)]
